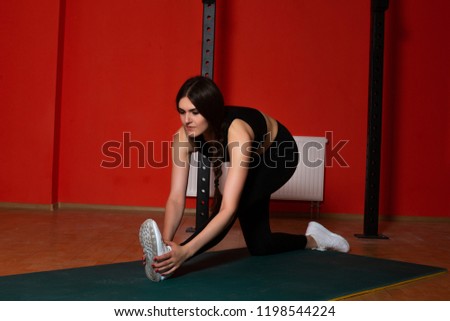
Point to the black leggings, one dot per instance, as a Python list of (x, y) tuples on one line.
[(266, 175)]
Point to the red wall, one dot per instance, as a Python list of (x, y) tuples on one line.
[(416, 153), (28, 64), (122, 67), (304, 62)]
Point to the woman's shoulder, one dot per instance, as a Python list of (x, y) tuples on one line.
[(180, 135), (240, 130), (246, 120), (180, 140)]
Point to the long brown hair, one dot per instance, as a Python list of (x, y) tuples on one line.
[(208, 100)]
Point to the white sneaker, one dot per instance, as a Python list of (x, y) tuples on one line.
[(325, 239), (152, 245)]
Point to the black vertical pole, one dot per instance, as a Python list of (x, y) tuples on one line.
[(209, 23), (373, 153), (207, 70)]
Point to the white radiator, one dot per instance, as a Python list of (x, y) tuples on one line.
[(306, 184)]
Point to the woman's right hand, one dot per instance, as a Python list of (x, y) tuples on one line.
[(168, 263)]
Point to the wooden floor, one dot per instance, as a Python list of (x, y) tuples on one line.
[(35, 240)]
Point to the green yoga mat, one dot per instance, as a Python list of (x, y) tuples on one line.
[(221, 276)]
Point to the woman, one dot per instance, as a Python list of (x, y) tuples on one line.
[(262, 157)]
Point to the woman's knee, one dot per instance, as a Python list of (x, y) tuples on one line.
[(259, 248)]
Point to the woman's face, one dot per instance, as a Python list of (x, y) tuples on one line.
[(193, 122)]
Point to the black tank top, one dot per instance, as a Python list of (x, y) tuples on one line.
[(253, 117)]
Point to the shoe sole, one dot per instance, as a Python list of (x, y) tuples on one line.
[(150, 241), (322, 229)]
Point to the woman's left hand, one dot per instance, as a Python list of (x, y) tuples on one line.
[(169, 262)]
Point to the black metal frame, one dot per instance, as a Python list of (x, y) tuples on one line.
[(207, 70), (209, 26), (373, 152)]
